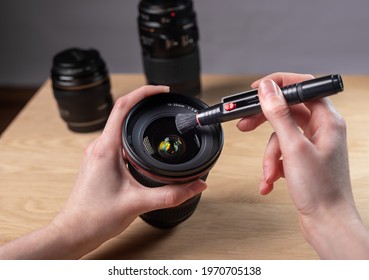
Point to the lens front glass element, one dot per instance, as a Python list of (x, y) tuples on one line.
[(171, 147), (163, 142)]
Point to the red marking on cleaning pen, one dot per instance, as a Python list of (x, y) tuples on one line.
[(230, 106)]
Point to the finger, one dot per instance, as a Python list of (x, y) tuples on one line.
[(283, 79), (277, 112), (113, 129), (170, 195), (272, 166), (91, 147), (323, 109), (299, 112), (325, 121), (251, 123), (265, 188)]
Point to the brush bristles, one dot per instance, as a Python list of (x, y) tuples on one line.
[(185, 122)]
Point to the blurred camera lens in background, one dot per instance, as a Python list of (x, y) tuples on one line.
[(81, 87), (169, 40), (158, 154)]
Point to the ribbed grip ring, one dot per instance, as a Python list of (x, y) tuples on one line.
[(169, 217)]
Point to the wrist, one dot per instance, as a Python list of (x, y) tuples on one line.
[(75, 239), (49, 242), (83, 233), (336, 234)]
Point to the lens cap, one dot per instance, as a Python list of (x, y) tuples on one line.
[(76, 67)]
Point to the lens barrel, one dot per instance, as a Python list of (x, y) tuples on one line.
[(81, 87), (149, 126), (169, 39)]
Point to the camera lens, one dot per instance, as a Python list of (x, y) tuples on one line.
[(163, 141), (81, 87), (169, 39), (158, 154)]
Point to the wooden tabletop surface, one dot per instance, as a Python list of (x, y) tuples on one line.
[(40, 158)]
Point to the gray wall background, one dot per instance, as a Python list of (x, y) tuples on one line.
[(236, 36)]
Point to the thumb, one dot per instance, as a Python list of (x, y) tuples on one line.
[(172, 195), (277, 112)]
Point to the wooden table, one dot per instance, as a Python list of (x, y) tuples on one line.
[(40, 157)]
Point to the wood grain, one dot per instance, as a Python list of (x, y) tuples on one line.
[(40, 157)]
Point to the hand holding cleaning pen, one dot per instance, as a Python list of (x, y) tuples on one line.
[(247, 103)]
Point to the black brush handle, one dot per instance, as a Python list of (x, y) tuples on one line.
[(247, 103)]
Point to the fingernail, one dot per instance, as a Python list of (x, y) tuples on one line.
[(239, 124), (254, 84), (268, 88), (266, 174), (166, 89), (261, 186), (197, 187)]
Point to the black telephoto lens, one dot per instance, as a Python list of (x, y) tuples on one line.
[(81, 87), (169, 39), (158, 154)]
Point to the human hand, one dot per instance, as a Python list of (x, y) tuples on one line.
[(106, 198), (309, 149)]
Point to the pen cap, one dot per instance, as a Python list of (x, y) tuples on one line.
[(313, 89)]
